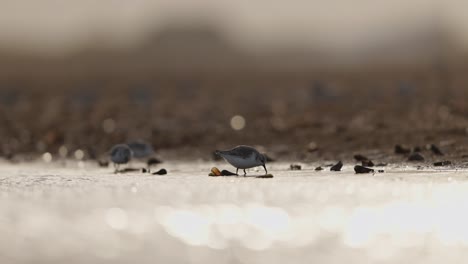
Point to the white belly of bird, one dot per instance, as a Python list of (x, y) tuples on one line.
[(243, 163)]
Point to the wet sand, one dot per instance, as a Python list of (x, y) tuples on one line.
[(76, 212)]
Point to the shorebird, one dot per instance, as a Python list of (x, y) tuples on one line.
[(141, 149), (243, 157), (120, 154)]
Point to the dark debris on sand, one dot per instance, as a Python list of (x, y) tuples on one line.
[(160, 172), (267, 176), (337, 167), (361, 169), (227, 173), (319, 168), (442, 163), (128, 170)]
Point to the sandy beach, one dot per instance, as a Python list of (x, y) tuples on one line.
[(76, 212)]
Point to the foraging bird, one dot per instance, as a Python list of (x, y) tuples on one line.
[(243, 157), (120, 154), (141, 149)]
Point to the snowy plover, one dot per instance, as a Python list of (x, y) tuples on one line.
[(243, 157), (120, 154)]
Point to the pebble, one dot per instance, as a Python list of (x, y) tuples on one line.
[(443, 163), (160, 172), (319, 168), (361, 169), (227, 173), (216, 171), (337, 167), (128, 170)]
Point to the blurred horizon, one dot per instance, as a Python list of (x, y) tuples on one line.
[(303, 33)]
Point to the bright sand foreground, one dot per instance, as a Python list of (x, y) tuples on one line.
[(56, 213)]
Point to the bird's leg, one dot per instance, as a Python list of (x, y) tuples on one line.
[(266, 172), (116, 167), (245, 173), (237, 171)]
